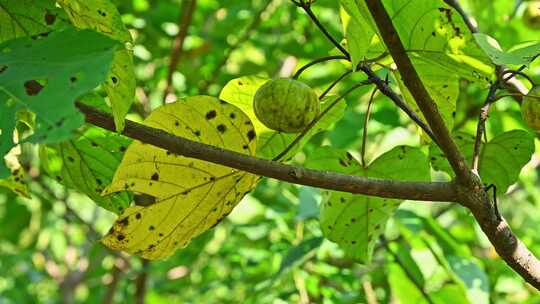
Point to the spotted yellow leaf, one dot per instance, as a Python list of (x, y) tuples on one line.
[(191, 196)]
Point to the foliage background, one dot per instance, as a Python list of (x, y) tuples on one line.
[(269, 249)]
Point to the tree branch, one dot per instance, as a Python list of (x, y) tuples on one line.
[(418, 91), (481, 127), (186, 15), (423, 191), (388, 92), (515, 86), (316, 61), (470, 189), (140, 282)]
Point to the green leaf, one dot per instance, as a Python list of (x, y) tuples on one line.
[(87, 164), (435, 34), (17, 181), (402, 287), (474, 280), (45, 76), (520, 54), (191, 196), (297, 254), (270, 143), (360, 35), (453, 256), (20, 18), (501, 159), (356, 221), (15, 217), (103, 17), (443, 88), (404, 254), (308, 206)]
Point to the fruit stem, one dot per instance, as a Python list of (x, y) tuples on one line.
[(366, 123), (316, 61)]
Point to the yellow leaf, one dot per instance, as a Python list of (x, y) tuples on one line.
[(17, 181), (191, 195)]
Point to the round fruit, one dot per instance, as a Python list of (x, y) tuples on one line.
[(530, 108), (286, 105), (531, 16)]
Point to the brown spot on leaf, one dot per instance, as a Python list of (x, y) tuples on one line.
[(211, 114), (221, 128), (32, 87), (49, 18), (251, 135), (124, 221)]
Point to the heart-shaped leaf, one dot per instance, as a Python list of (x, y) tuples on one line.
[(87, 164), (69, 64), (191, 195), (501, 159), (356, 221)]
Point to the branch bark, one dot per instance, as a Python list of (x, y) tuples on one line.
[(470, 189), (419, 92), (423, 191)]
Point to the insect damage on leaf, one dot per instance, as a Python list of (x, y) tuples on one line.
[(102, 16), (191, 196)]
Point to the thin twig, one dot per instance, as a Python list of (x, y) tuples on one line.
[(186, 15), (317, 119), (515, 84), (307, 8), (387, 91), (365, 131), (316, 61), (334, 83), (455, 4), (141, 282), (116, 274), (481, 126), (519, 72)]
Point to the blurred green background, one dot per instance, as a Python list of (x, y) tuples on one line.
[(270, 250)]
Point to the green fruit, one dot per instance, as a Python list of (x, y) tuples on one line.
[(286, 105), (531, 16), (530, 108)]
